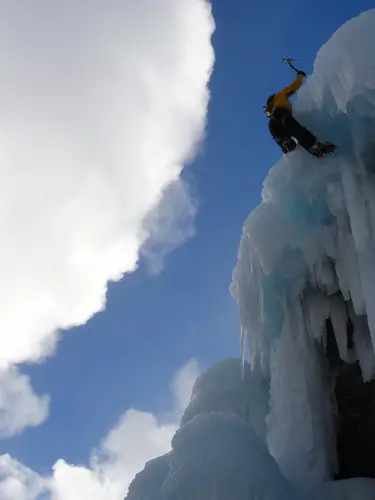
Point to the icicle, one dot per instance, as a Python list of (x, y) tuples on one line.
[(316, 312), (362, 344), (243, 348), (339, 323)]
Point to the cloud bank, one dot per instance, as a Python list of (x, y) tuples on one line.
[(103, 101), (137, 438)]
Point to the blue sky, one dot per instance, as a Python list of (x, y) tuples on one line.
[(125, 357)]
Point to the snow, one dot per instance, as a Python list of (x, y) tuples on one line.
[(217, 454), (148, 484), (305, 276), (228, 386)]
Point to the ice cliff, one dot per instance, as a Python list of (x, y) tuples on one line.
[(307, 254), (305, 287)]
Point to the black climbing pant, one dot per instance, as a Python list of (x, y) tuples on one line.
[(283, 125), (286, 143)]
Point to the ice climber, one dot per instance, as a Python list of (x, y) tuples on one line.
[(285, 128)]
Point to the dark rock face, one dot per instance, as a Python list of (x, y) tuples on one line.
[(356, 413), (356, 423)]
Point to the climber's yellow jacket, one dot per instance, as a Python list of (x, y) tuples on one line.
[(281, 99)]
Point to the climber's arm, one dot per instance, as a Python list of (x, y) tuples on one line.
[(294, 86)]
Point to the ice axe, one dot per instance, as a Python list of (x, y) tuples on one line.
[(289, 62)]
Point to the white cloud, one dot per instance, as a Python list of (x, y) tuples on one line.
[(170, 224), (102, 101), (19, 406), (17, 482), (183, 382), (137, 438)]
